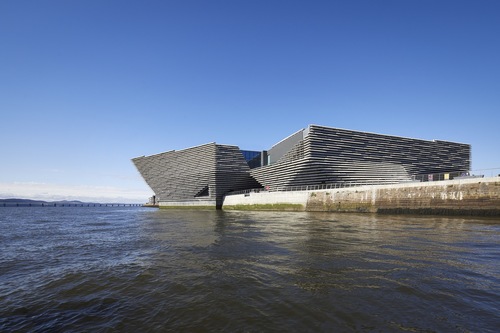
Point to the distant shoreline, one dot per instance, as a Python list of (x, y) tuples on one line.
[(16, 202)]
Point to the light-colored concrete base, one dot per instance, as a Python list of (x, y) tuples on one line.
[(195, 204)]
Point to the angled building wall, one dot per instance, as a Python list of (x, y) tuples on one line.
[(331, 155), (312, 156), (199, 175)]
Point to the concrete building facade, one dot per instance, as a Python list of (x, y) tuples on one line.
[(326, 155), (197, 176), (315, 155)]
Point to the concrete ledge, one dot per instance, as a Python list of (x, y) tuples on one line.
[(267, 198), (195, 204), (275, 207), (441, 211), (188, 207), (476, 196)]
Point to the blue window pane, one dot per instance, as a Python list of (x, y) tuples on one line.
[(252, 158)]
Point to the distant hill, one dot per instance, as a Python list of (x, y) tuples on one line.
[(18, 202), (15, 200), (28, 202)]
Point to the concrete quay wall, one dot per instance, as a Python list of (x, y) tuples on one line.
[(293, 200), (192, 204), (475, 196)]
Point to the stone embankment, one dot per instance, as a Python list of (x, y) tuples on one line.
[(476, 196)]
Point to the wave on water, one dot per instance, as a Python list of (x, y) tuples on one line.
[(108, 269)]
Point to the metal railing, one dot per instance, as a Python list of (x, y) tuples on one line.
[(480, 173), (490, 172), (331, 186), (432, 177)]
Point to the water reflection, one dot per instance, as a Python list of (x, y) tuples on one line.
[(167, 270), (269, 265)]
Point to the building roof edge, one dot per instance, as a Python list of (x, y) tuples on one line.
[(391, 135)]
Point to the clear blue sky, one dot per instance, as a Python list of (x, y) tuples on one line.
[(87, 85)]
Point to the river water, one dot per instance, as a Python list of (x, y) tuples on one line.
[(120, 269)]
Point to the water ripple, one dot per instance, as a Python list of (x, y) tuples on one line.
[(109, 269)]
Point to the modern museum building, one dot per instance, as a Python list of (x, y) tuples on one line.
[(316, 155)]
